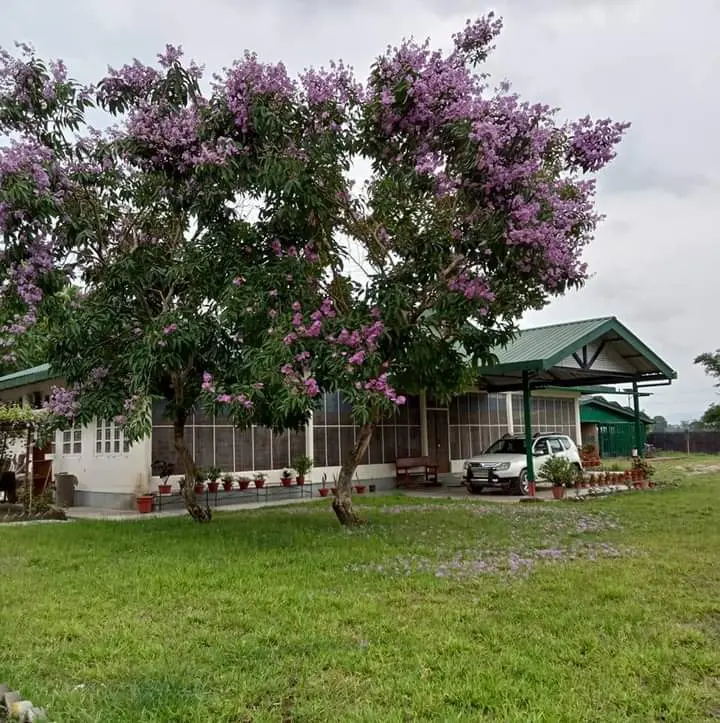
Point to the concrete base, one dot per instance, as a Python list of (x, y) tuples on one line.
[(105, 500)]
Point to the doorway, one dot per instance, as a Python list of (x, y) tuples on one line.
[(438, 438)]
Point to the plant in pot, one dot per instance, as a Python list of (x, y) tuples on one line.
[(302, 465), (143, 498), (163, 470), (286, 479), (213, 475), (259, 480), (579, 479), (333, 490), (244, 483), (324, 490), (560, 473), (360, 489), (199, 481), (228, 481)]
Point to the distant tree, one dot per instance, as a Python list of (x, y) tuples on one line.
[(711, 418), (660, 424), (710, 361)]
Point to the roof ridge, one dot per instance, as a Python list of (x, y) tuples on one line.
[(599, 319)]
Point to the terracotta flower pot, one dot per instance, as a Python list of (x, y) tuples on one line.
[(300, 480), (259, 483), (164, 489), (213, 486), (227, 486), (333, 490), (244, 484), (144, 503), (360, 489), (286, 481), (558, 492), (199, 488), (323, 491)]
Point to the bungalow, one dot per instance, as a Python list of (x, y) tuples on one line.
[(610, 427), (532, 388)]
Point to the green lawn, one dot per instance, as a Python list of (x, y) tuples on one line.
[(606, 610)]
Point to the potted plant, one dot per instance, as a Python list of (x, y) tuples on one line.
[(579, 478), (560, 473), (302, 465), (163, 470), (286, 479), (259, 480), (213, 475), (144, 503), (228, 480), (244, 483), (143, 499), (324, 490), (199, 481)]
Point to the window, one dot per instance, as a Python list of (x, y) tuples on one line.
[(555, 446), (541, 447), (72, 441), (566, 442), (109, 439)]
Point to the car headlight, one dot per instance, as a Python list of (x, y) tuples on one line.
[(503, 466)]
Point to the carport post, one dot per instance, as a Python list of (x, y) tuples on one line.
[(638, 433), (527, 415)]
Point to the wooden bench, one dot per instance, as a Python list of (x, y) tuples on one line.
[(407, 467)]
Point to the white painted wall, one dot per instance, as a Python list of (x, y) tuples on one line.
[(104, 472)]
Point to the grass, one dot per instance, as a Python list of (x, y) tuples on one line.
[(607, 610)]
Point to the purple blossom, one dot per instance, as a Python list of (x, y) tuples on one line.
[(62, 402), (311, 387), (169, 329), (208, 384)]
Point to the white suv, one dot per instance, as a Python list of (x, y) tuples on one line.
[(504, 464)]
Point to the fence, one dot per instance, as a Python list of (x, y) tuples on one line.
[(690, 441)]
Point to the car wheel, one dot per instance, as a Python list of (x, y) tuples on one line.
[(475, 489), (521, 485)]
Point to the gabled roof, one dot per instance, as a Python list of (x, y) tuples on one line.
[(543, 352), (614, 407), (36, 374)]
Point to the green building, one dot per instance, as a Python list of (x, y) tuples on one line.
[(610, 426)]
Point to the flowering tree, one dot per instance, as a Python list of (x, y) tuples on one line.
[(477, 208), (166, 224)]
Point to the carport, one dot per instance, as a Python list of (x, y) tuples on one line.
[(579, 353)]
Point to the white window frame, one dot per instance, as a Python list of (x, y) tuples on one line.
[(72, 442), (110, 440)]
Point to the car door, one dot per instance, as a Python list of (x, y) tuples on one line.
[(541, 453), (556, 447)]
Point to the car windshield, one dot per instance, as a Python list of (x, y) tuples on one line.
[(507, 446)]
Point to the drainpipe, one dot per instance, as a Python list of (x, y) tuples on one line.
[(527, 414)]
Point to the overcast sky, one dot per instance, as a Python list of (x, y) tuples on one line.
[(656, 257)]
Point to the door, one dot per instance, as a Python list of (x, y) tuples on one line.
[(41, 468), (438, 439), (541, 454)]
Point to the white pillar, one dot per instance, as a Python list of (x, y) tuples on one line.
[(310, 439), (578, 425), (509, 412), (424, 445)]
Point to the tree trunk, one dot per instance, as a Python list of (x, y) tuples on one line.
[(342, 504), (190, 471)]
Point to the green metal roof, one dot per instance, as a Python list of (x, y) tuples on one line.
[(28, 376), (626, 413), (542, 347), (535, 346)]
